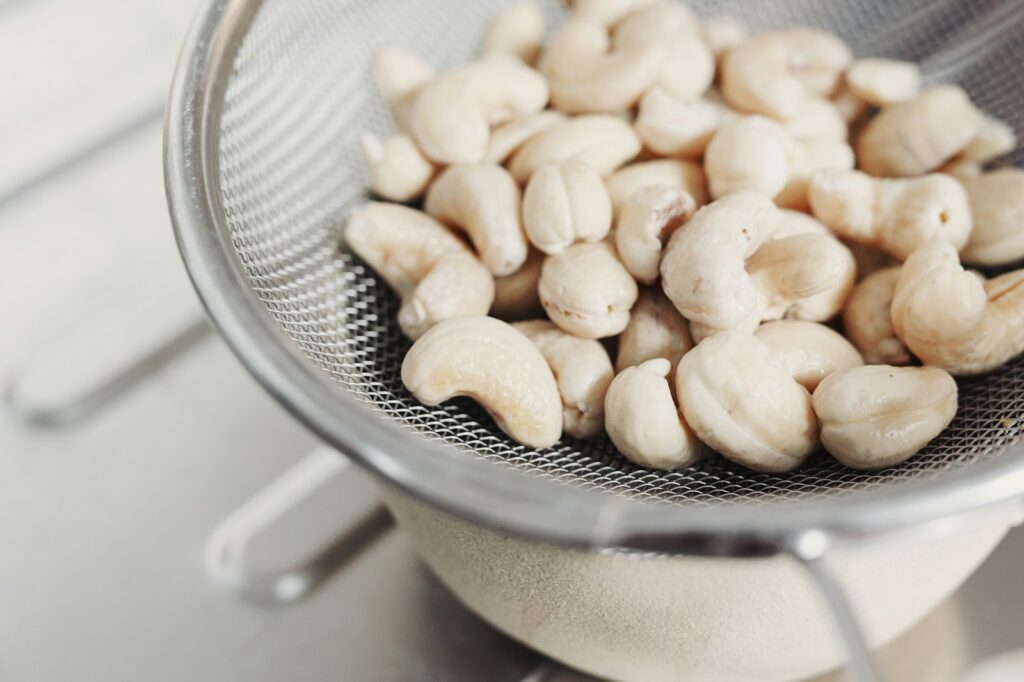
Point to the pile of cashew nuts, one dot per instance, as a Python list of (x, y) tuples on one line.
[(768, 236)]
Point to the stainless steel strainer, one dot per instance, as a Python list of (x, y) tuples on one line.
[(263, 166)]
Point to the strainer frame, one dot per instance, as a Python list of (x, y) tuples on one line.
[(497, 497)]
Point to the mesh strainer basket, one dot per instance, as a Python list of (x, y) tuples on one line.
[(263, 166)]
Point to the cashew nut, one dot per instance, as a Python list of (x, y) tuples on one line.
[(810, 351), (796, 222), (397, 169), (655, 330), (878, 416), (515, 295), (997, 204), (994, 138), (582, 370), (920, 135), (607, 12), (453, 114), (585, 75), (743, 402), (750, 153), (648, 219), (586, 290), (400, 75), (950, 319), (603, 142), (434, 272), (516, 30), (674, 127), (565, 203), (495, 365), (820, 119), (722, 34), (868, 324), (883, 82), (809, 157), (683, 175), (702, 269), (776, 72), (803, 276), (508, 137), (897, 215), (643, 422), (482, 199)]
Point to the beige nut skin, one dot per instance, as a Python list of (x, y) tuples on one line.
[(487, 360), (883, 82), (702, 269), (951, 319), (867, 322), (565, 203), (750, 153), (398, 170), (515, 295), (740, 400), (655, 330), (607, 12), (508, 137), (722, 34), (648, 219), (483, 200), (601, 141), (400, 75), (920, 135), (879, 416), (810, 351), (897, 215), (434, 272), (674, 127), (517, 30), (586, 290), (687, 176), (994, 138), (643, 422), (997, 205), (582, 371)]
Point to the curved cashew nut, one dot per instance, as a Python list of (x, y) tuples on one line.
[(774, 73), (675, 127), (587, 76), (607, 12), (565, 203), (686, 176), (582, 370), (884, 82), (950, 319), (994, 138), (867, 322), (820, 119), (398, 170), (744, 403), (400, 75), (487, 360), (508, 137), (803, 276), (434, 272), (809, 157), (722, 34), (648, 219), (878, 416), (452, 115), (810, 351), (655, 330), (997, 204), (603, 142), (482, 199), (702, 269), (586, 291), (516, 30), (515, 295), (897, 215), (920, 135), (643, 422), (750, 153)]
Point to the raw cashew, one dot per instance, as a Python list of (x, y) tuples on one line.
[(434, 272), (482, 199), (515, 295), (655, 330), (994, 138), (453, 114), (582, 370), (647, 220), (495, 365), (398, 170), (997, 204), (688, 66), (950, 319), (702, 269), (796, 222), (565, 203), (810, 351), (920, 135), (743, 402), (674, 127), (803, 276), (643, 421), (683, 175), (867, 322), (400, 75), (722, 34), (748, 325), (878, 416), (508, 137), (586, 291), (586, 76), (809, 157), (897, 215), (776, 72), (819, 119), (607, 12), (883, 82), (603, 142), (517, 30)]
